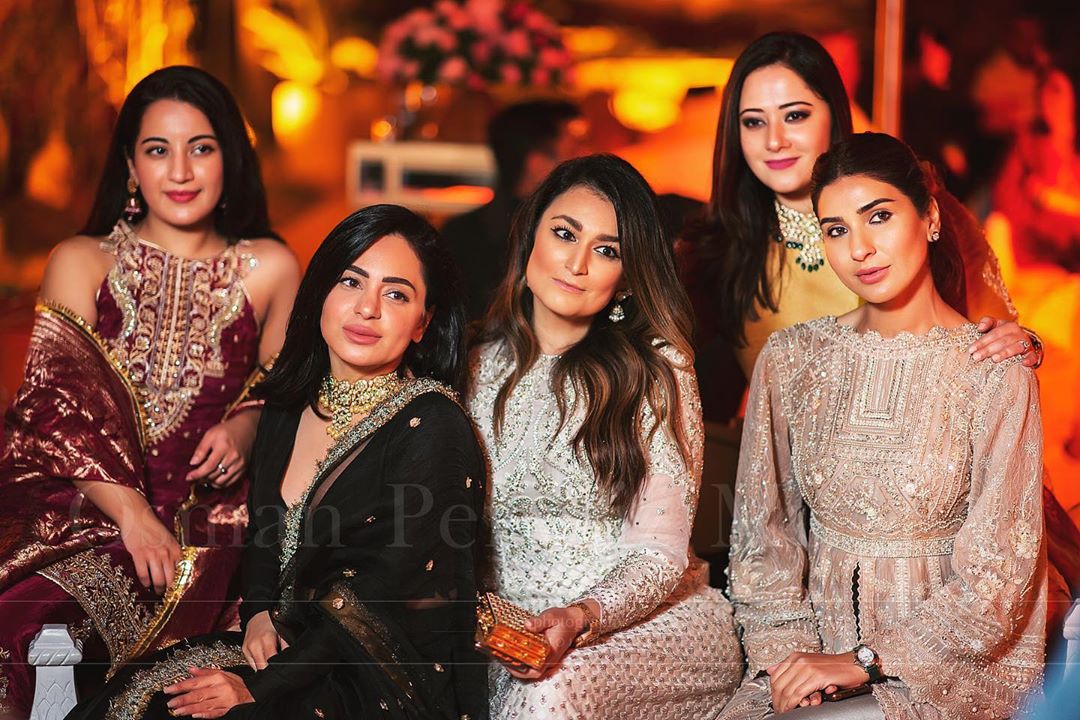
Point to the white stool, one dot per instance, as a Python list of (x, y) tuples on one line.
[(54, 654)]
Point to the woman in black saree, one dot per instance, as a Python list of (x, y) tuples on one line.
[(359, 574)]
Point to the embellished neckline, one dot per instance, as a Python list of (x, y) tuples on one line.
[(936, 336), (802, 232), (124, 232)]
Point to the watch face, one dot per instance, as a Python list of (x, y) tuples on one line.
[(865, 655)]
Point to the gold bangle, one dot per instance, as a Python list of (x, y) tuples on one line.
[(592, 625)]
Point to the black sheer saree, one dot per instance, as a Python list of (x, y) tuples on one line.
[(370, 578)]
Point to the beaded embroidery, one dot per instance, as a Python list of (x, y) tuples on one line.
[(186, 302), (802, 232)]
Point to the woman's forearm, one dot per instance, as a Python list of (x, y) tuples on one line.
[(121, 504)]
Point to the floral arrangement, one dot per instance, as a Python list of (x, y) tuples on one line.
[(475, 43)]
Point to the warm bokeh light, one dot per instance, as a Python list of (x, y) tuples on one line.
[(585, 42), (647, 91), (285, 48), (355, 54), (126, 40), (293, 105)]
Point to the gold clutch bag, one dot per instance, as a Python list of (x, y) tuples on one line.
[(501, 633)]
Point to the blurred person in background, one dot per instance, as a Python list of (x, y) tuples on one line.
[(528, 140), (937, 121)]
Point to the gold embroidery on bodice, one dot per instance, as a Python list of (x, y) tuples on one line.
[(174, 310)]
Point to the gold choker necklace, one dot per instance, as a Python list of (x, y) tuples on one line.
[(802, 232), (345, 399)]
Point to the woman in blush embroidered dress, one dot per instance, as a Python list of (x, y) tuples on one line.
[(367, 489), (583, 390), (888, 532), (122, 475)]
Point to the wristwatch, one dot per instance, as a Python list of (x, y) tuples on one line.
[(869, 661), (592, 626)]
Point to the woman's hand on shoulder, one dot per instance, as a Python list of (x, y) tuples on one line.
[(75, 270), (208, 693), (272, 287), (1003, 339), (261, 641)]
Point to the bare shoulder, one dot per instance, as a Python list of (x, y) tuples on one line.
[(275, 258), (77, 266)]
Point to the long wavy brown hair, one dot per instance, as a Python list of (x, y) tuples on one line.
[(618, 367)]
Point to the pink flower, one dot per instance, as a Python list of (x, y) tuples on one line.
[(537, 22), (516, 44), (457, 18), (511, 74), (388, 66), (476, 81), (540, 77), (485, 15), (410, 69), (446, 40), (446, 8), (553, 58), (481, 52), (396, 31), (454, 69)]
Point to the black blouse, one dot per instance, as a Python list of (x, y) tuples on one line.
[(380, 591)]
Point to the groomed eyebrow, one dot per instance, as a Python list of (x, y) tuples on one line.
[(782, 107), (578, 226), (390, 279), (860, 211), (196, 138)]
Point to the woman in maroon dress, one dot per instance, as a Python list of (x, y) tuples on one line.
[(122, 470)]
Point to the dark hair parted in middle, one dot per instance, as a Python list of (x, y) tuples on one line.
[(241, 212), (733, 240), (304, 359), (617, 367), (888, 160)]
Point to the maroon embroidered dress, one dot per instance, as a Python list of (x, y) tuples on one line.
[(173, 353)]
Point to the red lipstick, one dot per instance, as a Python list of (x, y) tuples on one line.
[(182, 196), (781, 164)]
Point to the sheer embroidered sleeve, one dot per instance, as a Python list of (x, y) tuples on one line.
[(768, 535), (951, 650), (656, 535)]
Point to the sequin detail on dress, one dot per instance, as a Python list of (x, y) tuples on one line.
[(668, 648), (920, 469), (189, 301)]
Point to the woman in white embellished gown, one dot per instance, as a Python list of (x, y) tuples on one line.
[(583, 388), (888, 530)]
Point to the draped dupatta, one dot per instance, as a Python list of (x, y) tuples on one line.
[(78, 417), (74, 418)]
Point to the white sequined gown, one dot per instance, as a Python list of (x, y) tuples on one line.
[(890, 493), (669, 648)]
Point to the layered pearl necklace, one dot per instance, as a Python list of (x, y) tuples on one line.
[(802, 232), (345, 399)]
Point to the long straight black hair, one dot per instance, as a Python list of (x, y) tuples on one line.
[(886, 159), (241, 213), (304, 360), (731, 243), (618, 367)]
